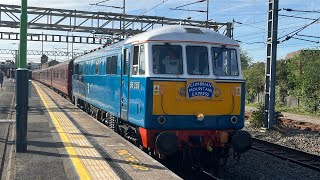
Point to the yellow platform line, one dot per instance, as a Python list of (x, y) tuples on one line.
[(96, 168), (81, 170)]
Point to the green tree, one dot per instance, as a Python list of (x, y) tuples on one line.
[(283, 85), (245, 59), (305, 76), (254, 76)]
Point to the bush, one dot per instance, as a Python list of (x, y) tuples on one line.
[(257, 117)]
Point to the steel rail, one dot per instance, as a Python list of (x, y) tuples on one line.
[(302, 158), (210, 175)]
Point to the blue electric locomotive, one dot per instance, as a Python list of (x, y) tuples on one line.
[(172, 89)]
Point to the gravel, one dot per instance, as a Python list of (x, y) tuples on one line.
[(307, 141), (258, 165)]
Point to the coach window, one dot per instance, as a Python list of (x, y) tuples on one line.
[(63, 74), (108, 70), (114, 61), (76, 69), (167, 59), (81, 69), (197, 60), (224, 62)]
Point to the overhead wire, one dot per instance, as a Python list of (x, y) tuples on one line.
[(179, 8), (247, 25), (308, 36), (295, 32), (257, 22), (250, 24), (299, 17), (255, 33), (296, 10), (305, 40), (164, 1), (199, 1), (265, 21)]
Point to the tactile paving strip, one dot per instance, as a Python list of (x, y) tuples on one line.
[(88, 163)]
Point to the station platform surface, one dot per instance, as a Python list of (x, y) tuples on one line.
[(7, 95), (66, 143)]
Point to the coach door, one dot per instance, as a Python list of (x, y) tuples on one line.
[(125, 78)]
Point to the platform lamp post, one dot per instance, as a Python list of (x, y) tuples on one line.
[(22, 77)]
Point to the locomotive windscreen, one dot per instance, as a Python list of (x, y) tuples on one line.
[(167, 59), (224, 62)]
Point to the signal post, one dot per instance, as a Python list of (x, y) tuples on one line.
[(22, 78)]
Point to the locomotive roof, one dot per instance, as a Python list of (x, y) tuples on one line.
[(182, 34), (171, 33)]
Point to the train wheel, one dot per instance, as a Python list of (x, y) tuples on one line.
[(98, 115), (113, 123)]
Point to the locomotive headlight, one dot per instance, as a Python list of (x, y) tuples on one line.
[(234, 119), (217, 92), (200, 117), (162, 120), (182, 92)]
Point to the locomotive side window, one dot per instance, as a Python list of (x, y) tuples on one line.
[(167, 59), (141, 60), (126, 61), (138, 66), (224, 62), (197, 60), (135, 65)]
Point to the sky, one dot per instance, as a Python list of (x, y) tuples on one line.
[(250, 17)]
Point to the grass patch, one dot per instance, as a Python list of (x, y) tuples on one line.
[(257, 117), (255, 105), (296, 110)]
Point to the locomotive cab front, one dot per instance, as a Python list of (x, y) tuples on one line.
[(194, 92)]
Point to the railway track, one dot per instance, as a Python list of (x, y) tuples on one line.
[(195, 175), (210, 175), (293, 155)]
